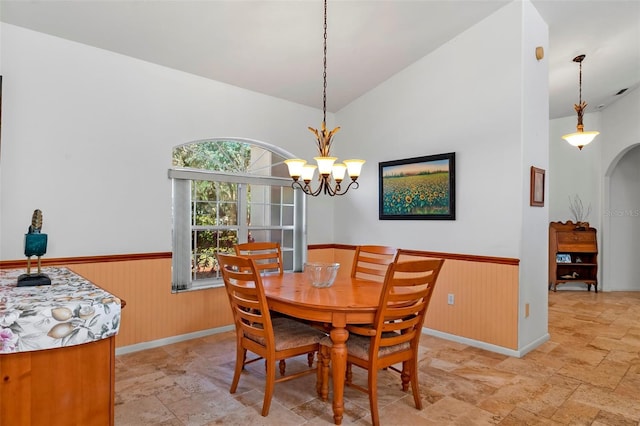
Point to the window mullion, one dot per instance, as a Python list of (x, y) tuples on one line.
[(243, 205)]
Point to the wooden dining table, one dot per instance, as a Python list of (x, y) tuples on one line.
[(347, 301)]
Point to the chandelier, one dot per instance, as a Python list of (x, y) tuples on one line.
[(330, 173), (580, 138)]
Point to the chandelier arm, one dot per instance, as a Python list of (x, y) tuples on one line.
[(325, 188), (353, 182)]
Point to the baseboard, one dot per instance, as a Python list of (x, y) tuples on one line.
[(487, 346), (173, 339)]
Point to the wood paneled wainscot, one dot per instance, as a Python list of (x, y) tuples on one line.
[(485, 289)]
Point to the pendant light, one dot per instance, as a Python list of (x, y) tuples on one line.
[(331, 174), (580, 138)]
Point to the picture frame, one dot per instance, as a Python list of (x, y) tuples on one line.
[(418, 188), (536, 198), (563, 258)]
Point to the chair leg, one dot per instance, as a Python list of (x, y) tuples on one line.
[(348, 377), (268, 390), (373, 396), (414, 385), (405, 376), (241, 355), (324, 357), (310, 357), (319, 375), (283, 366)]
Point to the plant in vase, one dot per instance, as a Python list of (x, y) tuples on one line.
[(580, 214)]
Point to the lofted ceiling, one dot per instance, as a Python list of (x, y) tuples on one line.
[(275, 46)]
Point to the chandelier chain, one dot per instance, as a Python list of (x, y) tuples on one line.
[(324, 73), (580, 83)]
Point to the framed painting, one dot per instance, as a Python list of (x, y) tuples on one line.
[(418, 188), (537, 187)]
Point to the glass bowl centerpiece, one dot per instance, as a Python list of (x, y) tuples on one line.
[(321, 274)]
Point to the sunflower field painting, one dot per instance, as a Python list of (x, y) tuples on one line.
[(418, 188)]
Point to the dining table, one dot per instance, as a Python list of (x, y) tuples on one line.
[(348, 301)]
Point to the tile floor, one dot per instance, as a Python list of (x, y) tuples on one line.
[(587, 374)]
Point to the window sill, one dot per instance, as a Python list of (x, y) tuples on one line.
[(204, 286)]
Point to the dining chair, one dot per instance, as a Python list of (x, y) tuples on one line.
[(270, 339), (394, 336), (370, 262), (267, 255), (268, 259)]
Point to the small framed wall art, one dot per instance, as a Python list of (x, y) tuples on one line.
[(537, 187)]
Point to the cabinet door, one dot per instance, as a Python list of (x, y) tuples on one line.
[(72, 385)]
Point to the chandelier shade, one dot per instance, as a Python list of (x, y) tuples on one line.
[(330, 173), (580, 138)]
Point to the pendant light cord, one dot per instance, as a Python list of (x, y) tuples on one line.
[(580, 83), (324, 73)]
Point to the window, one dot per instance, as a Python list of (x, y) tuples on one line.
[(227, 191)]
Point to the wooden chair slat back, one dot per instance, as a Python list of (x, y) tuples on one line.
[(405, 297), (266, 255), (371, 262), (246, 296)]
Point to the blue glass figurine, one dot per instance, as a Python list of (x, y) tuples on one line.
[(35, 244)]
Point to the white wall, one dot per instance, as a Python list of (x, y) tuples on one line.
[(575, 172), (621, 195), (533, 293), (87, 137), (483, 96), (623, 213), (466, 97), (591, 173)]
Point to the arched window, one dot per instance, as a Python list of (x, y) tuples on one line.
[(228, 191)]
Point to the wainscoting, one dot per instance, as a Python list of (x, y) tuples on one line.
[(485, 290), (485, 293)]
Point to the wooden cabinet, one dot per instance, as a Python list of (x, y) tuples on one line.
[(573, 255), (69, 386)]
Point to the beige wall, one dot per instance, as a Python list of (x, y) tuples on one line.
[(485, 291), (152, 311)]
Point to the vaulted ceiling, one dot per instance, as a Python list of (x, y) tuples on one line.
[(275, 46)]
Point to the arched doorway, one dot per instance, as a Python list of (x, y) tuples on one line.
[(621, 219)]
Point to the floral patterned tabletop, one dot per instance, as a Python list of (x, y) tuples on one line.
[(70, 311)]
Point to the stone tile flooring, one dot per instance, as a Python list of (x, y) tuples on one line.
[(587, 374)]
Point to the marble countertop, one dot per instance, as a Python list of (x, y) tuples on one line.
[(70, 311)]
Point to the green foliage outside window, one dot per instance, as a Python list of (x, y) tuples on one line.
[(214, 205)]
